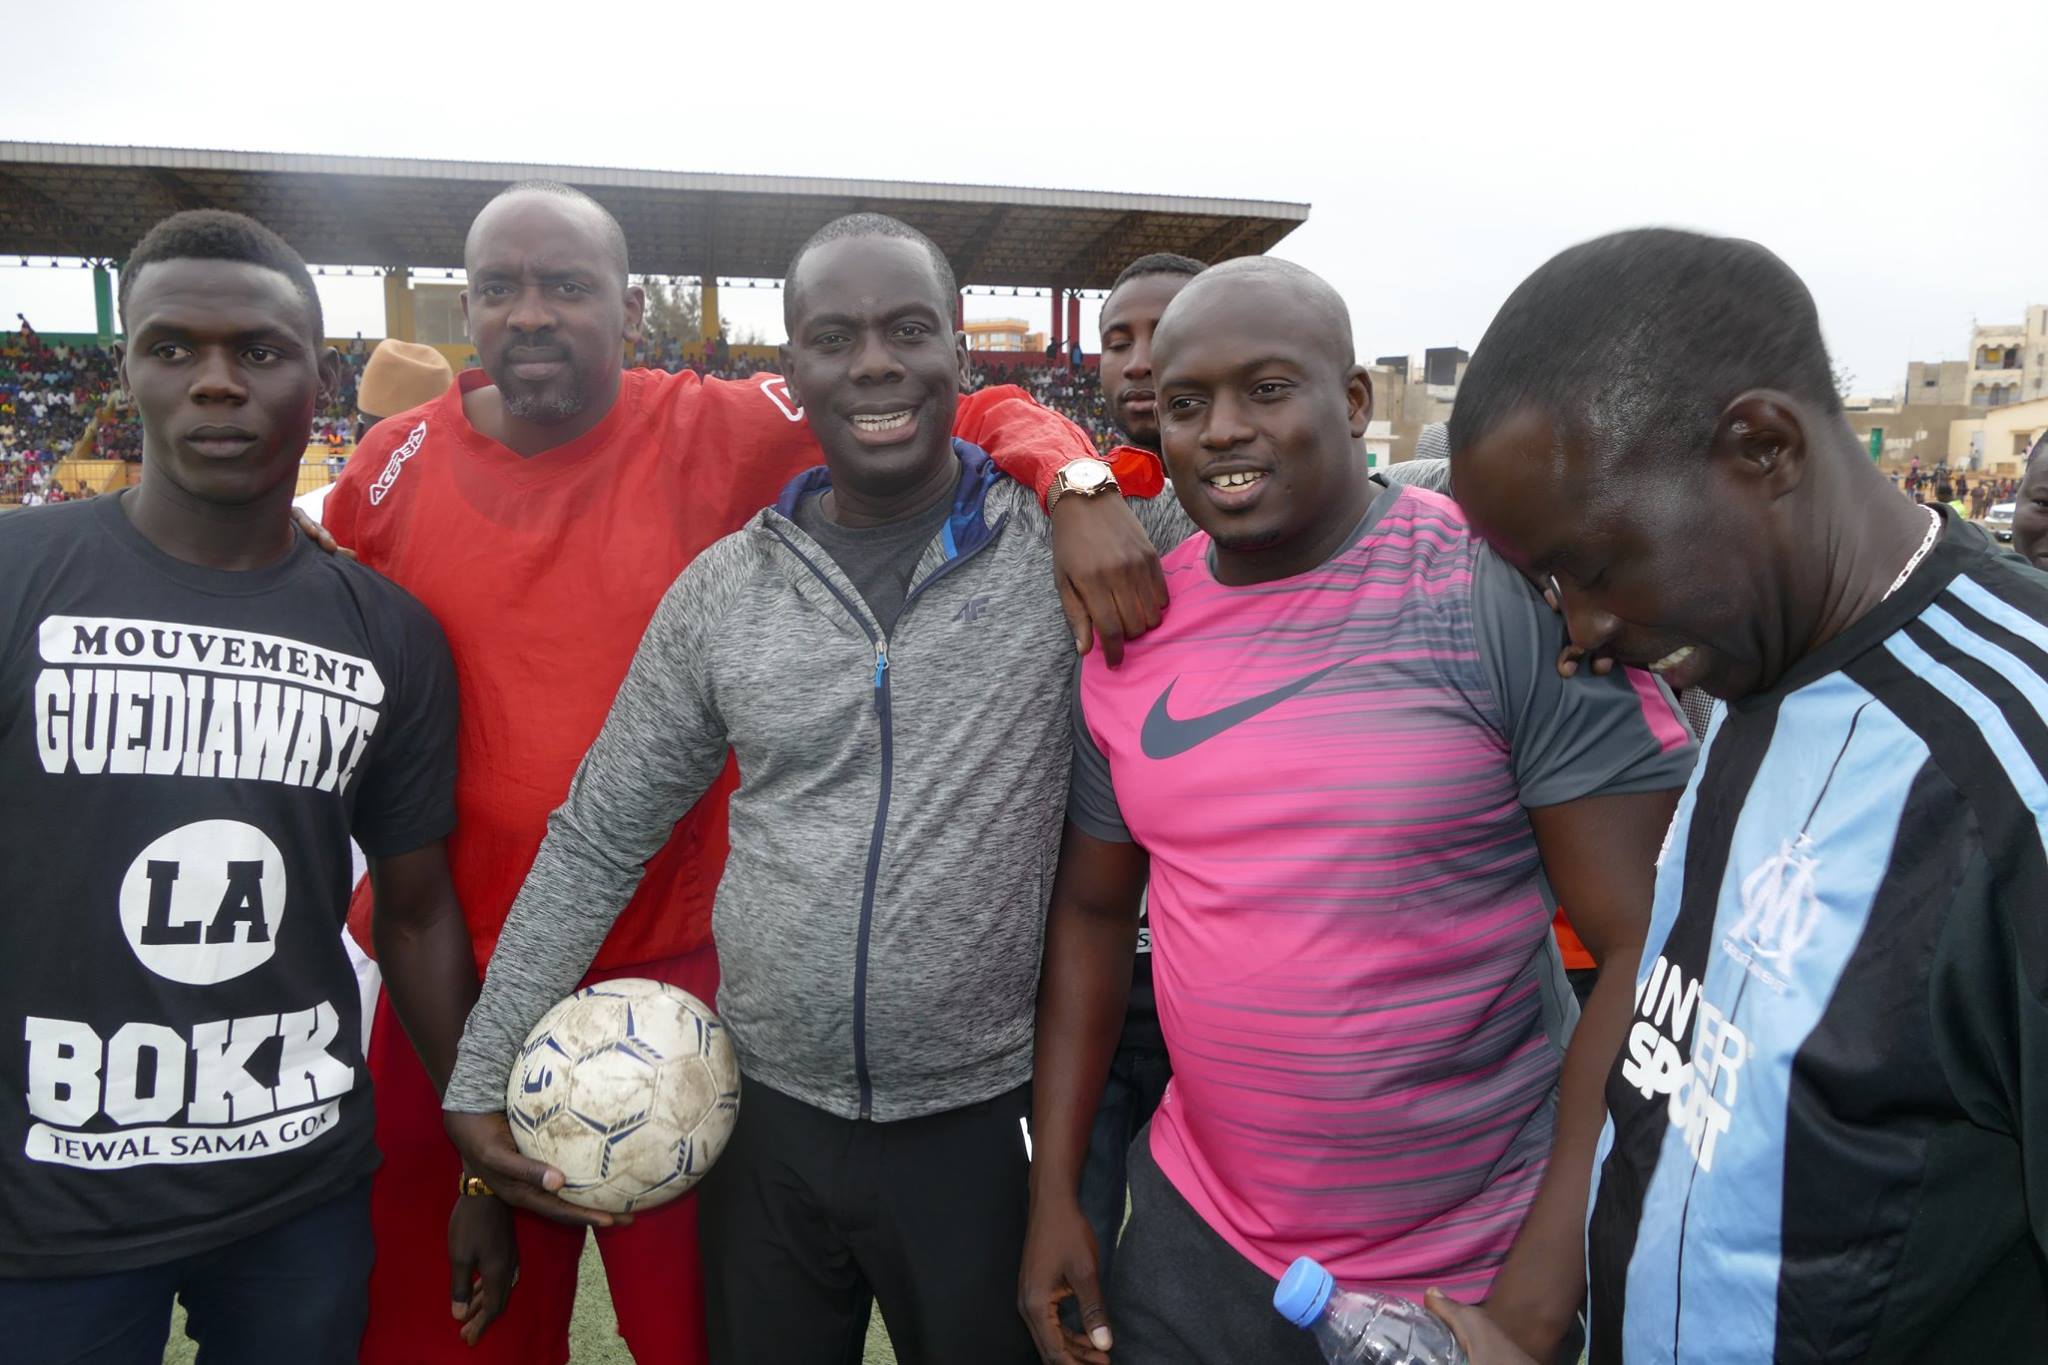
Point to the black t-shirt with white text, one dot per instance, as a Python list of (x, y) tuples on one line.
[(184, 755)]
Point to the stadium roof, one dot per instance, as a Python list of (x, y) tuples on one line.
[(61, 199)]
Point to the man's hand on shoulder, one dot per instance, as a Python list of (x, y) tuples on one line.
[(1110, 582), (318, 534)]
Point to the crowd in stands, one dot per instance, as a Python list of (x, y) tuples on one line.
[(53, 397), (714, 359), (1074, 393), (48, 397), (342, 410)]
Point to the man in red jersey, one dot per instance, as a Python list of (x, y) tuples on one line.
[(540, 509)]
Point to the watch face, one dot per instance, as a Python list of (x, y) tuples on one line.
[(1082, 475)]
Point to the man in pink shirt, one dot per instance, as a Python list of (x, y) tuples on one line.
[(1343, 767)]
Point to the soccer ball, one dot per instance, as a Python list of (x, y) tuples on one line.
[(630, 1089)]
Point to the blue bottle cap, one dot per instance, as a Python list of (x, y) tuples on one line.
[(1303, 1291)]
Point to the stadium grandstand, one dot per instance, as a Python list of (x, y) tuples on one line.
[(67, 431)]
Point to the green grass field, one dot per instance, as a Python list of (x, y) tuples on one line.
[(593, 1334)]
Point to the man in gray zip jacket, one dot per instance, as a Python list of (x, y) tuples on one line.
[(886, 654)]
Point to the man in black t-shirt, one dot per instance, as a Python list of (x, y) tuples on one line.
[(197, 710), (1140, 1069)]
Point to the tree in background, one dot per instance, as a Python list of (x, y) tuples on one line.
[(672, 308), (675, 310)]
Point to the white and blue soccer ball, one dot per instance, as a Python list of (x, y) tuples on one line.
[(630, 1088)]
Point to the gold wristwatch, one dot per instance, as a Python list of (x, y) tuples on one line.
[(1083, 477)]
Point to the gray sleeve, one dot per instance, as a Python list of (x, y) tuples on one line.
[(661, 747), (1091, 796), (1435, 475), (1570, 737), (1163, 518)]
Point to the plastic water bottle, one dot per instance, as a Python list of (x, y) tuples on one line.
[(1355, 1328)]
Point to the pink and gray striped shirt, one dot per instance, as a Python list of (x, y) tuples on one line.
[(1330, 774)]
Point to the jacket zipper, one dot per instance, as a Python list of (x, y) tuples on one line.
[(867, 893), (882, 714)]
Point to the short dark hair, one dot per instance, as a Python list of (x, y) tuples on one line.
[(614, 235), (217, 235), (1945, 491), (1639, 340), (1159, 263), (867, 225)]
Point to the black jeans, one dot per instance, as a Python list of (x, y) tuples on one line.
[(808, 1220), (1184, 1296), (1137, 1080), (298, 1292)]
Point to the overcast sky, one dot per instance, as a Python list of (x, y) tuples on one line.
[(1895, 154)]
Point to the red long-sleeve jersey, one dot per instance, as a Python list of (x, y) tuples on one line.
[(544, 570)]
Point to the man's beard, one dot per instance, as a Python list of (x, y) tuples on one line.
[(554, 399), (556, 402)]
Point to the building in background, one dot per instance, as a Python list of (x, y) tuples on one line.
[(1937, 383), (1897, 435), (1960, 411), (1443, 367), (1997, 365), (1390, 433), (1003, 334), (1409, 395), (1379, 443), (1997, 442), (2009, 362)]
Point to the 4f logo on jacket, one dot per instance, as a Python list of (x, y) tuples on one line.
[(1701, 1093)]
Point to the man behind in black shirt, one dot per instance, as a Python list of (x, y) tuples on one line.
[(1139, 1070), (197, 710)]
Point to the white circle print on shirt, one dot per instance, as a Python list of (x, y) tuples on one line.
[(201, 905)]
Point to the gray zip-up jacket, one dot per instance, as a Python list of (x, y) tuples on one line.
[(898, 818)]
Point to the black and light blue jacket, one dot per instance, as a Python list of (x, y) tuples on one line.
[(895, 830), (1828, 1128)]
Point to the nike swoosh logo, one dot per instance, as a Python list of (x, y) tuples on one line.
[(1165, 737)]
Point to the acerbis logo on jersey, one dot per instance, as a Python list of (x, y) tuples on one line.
[(1702, 1092), (387, 476)]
